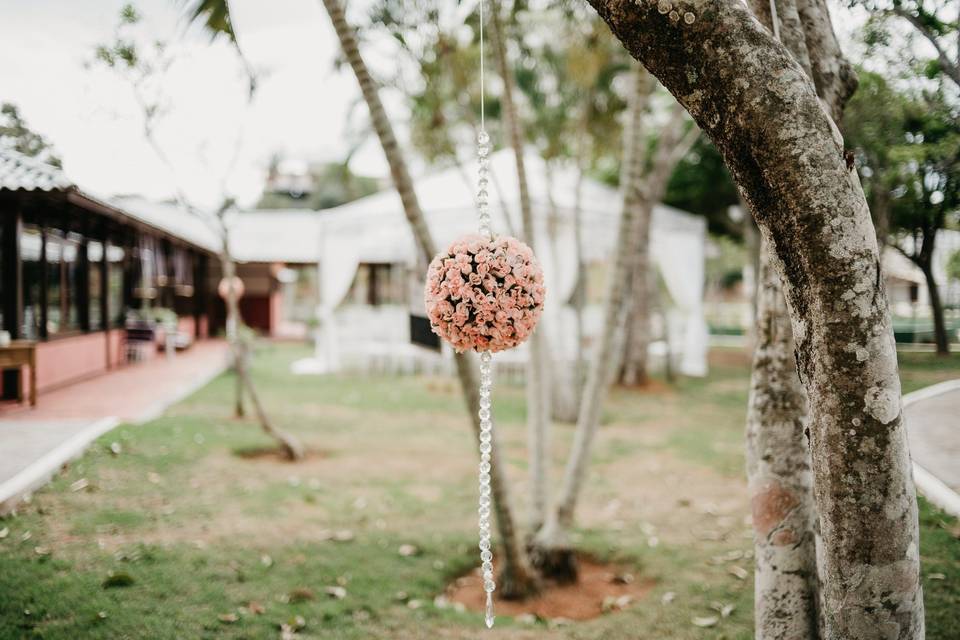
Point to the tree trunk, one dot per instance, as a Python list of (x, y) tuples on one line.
[(786, 584), (538, 382), (290, 446), (551, 547), (832, 74), (755, 102), (672, 146), (516, 578), (779, 477), (940, 336)]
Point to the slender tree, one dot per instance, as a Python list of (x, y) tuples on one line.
[(552, 551), (538, 382), (140, 69), (751, 97), (516, 579)]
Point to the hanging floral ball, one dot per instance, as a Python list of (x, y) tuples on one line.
[(485, 295)]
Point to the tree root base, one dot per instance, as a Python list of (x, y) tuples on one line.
[(557, 564)]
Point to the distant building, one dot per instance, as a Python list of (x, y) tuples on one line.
[(74, 266)]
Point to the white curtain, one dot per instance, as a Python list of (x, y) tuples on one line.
[(339, 258), (679, 256)]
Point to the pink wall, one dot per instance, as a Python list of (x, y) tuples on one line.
[(61, 361), (64, 360)]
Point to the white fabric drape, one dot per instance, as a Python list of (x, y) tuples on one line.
[(679, 257)]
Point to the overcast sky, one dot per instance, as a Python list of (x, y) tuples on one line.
[(90, 115)]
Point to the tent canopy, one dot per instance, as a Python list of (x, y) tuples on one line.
[(374, 229)]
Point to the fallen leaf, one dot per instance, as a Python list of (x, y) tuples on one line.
[(26, 536), (80, 485), (937, 576), (266, 560), (668, 597), (228, 618), (336, 592), (407, 550), (300, 594), (622, 578), (4, 532), (115, 448), (114, 580), (42, 551), (415, 604), (707, 621), (256, 608), (441, 602), (738, 572)]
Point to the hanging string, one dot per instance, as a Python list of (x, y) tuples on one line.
[(483, 122)]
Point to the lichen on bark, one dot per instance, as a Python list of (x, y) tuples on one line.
[(754, 101)]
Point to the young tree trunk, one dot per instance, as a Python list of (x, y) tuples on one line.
[(755, 102), (940, 337), (779, 477), (538, 382), (551, 550), (672, 146), (516, 578), (291, 446)]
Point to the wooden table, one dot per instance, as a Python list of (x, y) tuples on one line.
[(22, 353)]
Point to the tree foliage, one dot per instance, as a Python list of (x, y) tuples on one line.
[(16, 134)]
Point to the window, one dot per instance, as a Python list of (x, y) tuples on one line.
[(63, 281), (31, 251), (116, 258), (95, 284)]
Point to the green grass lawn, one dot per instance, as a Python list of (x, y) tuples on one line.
[(166, 531)]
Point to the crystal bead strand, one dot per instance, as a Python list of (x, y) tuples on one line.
[(486, 366), (486, 447), (483, 181)]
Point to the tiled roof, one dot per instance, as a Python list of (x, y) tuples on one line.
[(21, 172)]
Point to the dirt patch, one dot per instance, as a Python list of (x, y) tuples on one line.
[(602, 588), (651, 386)]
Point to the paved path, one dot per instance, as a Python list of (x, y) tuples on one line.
[(933, 426), (35, 443)]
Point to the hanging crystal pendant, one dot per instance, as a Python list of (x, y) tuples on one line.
[(486, 447), (486, 382)]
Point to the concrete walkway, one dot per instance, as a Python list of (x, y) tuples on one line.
[(35, 443), (933, 427)]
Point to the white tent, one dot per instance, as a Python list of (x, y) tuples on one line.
[(374, 229)]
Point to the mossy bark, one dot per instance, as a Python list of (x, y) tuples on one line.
[(756, 103)]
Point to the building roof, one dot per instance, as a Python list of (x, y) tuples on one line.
[(169, 218), (19, 172), (276, 235)]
